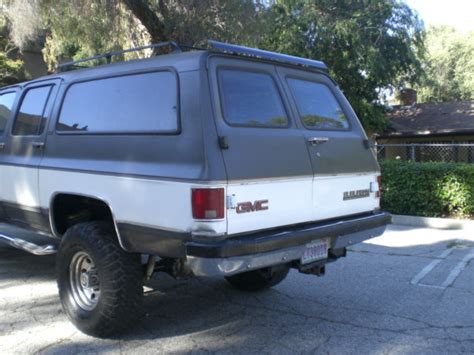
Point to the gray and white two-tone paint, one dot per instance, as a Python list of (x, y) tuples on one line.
[(173, 128)]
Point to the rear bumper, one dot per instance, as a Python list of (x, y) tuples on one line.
[(244, 253)]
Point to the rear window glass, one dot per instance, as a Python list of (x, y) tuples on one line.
[(134, 103), (30, 118), (317, 106), (251, 99), (6, 105)]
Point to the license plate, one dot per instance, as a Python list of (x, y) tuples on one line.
[(314, 251)]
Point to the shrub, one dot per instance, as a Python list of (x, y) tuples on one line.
[(428, 189)]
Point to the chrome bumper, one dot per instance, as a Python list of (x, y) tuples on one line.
[(212, 260)]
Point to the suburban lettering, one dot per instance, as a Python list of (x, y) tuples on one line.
[(352, 195)]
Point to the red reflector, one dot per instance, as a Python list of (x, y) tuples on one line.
[(208, 203), (379, 181)]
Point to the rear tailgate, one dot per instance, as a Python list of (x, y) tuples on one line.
[(269, 171), (276, 175), (345, 169)]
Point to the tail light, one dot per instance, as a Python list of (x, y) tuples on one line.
[(379, 182), (376, 186), (208, 203)]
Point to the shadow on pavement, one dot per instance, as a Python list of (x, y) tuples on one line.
[(366, 303)]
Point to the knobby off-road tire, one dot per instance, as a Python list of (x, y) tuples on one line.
[(259, 279), (100, 285)]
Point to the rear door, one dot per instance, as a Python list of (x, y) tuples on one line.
[(265, 154), (7, 101), (23, 152), (344, 168)]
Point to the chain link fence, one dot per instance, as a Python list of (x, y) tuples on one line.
[(427, 152)]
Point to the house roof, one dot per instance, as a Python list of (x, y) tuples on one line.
[(444, 118)]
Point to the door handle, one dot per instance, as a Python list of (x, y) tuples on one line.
[(38, 145), (2, 145), (317, 140)]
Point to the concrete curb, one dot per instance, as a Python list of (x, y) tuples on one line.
[(438, 223)]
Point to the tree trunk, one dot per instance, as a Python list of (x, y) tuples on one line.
[(142, 11)]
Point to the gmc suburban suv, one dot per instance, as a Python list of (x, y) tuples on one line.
[(226, 161)]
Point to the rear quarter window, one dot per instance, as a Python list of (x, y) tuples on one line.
[(317, 106), (251, 99), (30, 118), (141, 103), (6, 104)]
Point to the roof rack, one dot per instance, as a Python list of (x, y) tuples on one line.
[(214, 46), (259, 53), (108, 56)]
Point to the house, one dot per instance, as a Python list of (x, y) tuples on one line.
[(429, 131)]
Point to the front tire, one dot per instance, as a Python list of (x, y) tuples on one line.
[(100, 284), (259, 279)]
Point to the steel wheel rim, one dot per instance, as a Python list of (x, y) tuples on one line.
[(84, 281)]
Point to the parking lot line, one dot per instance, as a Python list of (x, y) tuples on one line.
[(427, 269), (457, 270)]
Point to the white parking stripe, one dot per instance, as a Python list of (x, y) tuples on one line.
[(457, 270), (427, 269)]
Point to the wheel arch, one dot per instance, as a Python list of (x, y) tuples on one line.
[(57, 221)]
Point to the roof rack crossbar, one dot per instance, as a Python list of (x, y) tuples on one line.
[(108, 56), (259, 53)]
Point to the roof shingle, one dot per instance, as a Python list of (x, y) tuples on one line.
[(432, 118)]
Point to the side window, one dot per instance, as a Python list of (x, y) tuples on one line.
[(142, 103), (6, 105), (317, 106), (251, 99), (30, 118)]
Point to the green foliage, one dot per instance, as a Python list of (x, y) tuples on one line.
[(367, 45), (449, 66), (10, 65), (24, 20), (428, 189), (88, 27), (195, 21)]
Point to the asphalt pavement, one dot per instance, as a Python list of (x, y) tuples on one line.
[(409, 291)]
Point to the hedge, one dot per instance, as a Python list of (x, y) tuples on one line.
[(428, 189)]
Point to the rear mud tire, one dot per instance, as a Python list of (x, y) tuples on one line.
[(259, 279), (113, 285)]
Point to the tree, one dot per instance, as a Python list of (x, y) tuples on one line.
[(85, 28), (367, 45), (195, 21), (9, 68), (10, 64), (145, 14), (75, 29), (449, 66)]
